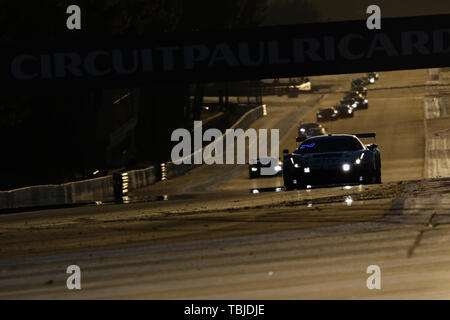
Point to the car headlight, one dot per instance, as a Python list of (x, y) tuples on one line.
[(333, 115), (254, 169), (277, 168), (372, 80), (349, 111), (319, 116), (358, 161), (346, 167), (365, 101), (306, 170), (302, 130), (354, 105), (296, 165)]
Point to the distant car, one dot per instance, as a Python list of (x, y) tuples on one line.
[(312, 132), (344, 111), (349, 102), (273, 166), (360, 81), (331, 160), (373, 76), (304, 127), (353, 94), (359, 90), (363, 103), (326, 114), (355, 101)]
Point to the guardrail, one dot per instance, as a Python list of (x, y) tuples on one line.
[(79, 192)]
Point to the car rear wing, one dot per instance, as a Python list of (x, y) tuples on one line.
[(365, 135)]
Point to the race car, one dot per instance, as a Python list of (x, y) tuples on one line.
[(349, 102), (332, 160), (355, 101), (311, 132), (361, 81), (359, 90), (344, 111), (326, 114), (362, 102), (305, 127), (272, 166)]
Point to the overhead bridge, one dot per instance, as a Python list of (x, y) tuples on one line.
[(259, 53)]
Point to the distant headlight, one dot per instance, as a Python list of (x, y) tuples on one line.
[(306, 170), (302, 130), (319, 116), (254, 169), (365, 101), (372, 80), (333, 115), (358, 161), (296, 165), (349, 111), (354, 105), (346, 167), (277, 168)]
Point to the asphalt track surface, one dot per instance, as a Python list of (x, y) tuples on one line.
[(213, 239)]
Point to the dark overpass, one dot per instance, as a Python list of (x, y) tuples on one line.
[(266, 52)]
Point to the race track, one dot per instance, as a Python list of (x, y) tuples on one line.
[(213, 239)]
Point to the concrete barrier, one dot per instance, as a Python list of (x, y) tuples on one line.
[(46, 195), (79, 192), (92, 190), (142, 177)]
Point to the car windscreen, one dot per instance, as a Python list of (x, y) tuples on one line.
[(329, 144), (308, 125), (313, 131), (265, 162)]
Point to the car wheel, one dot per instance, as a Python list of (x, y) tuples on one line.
[(378, 176), (288, 186)]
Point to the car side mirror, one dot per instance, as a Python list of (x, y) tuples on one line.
[(285, 151), (372, 146)]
